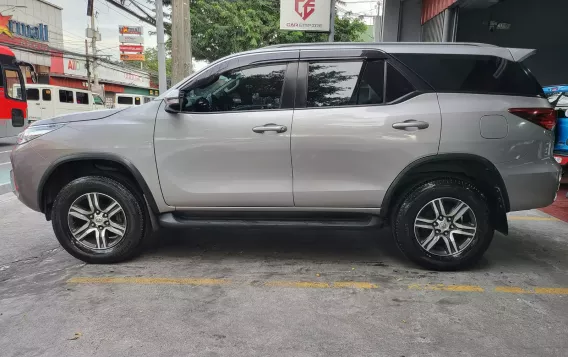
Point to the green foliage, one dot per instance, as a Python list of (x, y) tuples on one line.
[(222, 27), (151, 62)]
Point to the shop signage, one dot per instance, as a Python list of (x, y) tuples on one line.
[(11, 28), (131, 39), (131, 48), (107, 72), (130, 30), (132, 57), (305, 15)]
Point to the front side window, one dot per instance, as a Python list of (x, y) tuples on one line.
[(137, 101), (32, 94), (82, 98), (124, 100), (65, 96), (14, 81), (97, 100), (46, 95), (255, 88)]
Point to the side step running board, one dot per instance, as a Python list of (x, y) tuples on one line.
[(172, 220)]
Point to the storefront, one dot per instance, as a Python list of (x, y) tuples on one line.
[(32, 37)]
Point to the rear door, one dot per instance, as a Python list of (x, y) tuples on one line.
[(35, 104), (360, 122)]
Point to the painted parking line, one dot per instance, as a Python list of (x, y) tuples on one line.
[(292, 284), (531, 218)]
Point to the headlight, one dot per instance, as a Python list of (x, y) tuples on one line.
[(35, 131)]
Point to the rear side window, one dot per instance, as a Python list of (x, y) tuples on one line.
[(65, 96), (32, 93), (397, 85), (82, 98), (124, 100), (473, 74), (46, 94)]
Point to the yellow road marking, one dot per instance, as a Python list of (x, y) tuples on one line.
[(531, 218), (321, 285), (552, 291), (442, 287), (149, 281), (511, 289)]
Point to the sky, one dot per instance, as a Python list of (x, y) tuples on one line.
[(109, 17)]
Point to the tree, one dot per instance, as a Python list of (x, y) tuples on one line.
[(151, 63), (223, 27)]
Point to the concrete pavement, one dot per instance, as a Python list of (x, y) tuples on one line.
[(281, 293)]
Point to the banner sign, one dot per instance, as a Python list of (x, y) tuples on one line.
[(130, 30), (131, 39), (107, 72), (305, 15), (131, 48), (132, 57)]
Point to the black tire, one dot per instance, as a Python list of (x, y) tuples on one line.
[(416, 198), (132, 204)]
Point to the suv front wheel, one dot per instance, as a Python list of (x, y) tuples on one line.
[(443, 224), (99, 220)]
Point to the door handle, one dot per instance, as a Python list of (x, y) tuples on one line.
[(411, 124), (270, 127)]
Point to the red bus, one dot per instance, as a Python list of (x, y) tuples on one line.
[(13, 105)]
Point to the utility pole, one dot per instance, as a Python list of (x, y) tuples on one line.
[(181, 40), (332, 23), (163, 85), (94, 50), (88, 65)]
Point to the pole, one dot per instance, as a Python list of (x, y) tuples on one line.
[(88, 65), (163, 85), (94, 50), (332, 23), (181, 40)]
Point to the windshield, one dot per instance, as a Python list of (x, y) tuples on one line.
[(14, 83)]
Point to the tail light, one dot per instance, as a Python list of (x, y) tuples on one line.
[(544, 117)]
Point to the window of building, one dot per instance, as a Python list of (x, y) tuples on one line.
[(65, 96), (254, 88), (82, 98), (32, 94)]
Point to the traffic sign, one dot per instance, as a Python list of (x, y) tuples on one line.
[(131, 48), (132, 57)]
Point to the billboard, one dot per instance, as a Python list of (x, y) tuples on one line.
[(130, 30), (131, 48), (305, 15), (132, 57), (107, 72)]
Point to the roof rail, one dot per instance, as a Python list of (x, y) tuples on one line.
[(315, 44)]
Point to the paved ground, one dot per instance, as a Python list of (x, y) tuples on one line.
[(288, 293)]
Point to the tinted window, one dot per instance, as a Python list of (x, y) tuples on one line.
[(473, 74), (124, 100), (137, 101), (371, 87), (46, 94), (332, 84), (397, 84), (256, 88), (82, 98), (32, 94), (65, 96)]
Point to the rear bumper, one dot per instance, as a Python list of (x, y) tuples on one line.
[(531, 186)]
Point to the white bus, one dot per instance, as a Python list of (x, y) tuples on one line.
[(46, 101), (123, 100)]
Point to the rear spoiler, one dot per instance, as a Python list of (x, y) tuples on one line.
[(521, 54)]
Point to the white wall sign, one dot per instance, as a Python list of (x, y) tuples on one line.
[(305, 15)]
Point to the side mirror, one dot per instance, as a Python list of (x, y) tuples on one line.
[(173, 102)]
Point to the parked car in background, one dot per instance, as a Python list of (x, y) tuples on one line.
[(558, 97), (438, 141), (47, 101), (123, 100)]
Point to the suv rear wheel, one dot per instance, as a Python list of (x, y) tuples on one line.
[(443, 224), (98, 220)]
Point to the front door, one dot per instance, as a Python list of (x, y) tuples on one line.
[(355, 134), (230, 145)]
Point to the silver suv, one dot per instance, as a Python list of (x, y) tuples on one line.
[(438, 141)]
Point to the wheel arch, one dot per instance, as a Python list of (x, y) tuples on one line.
[(115, 161), (469, 167)]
